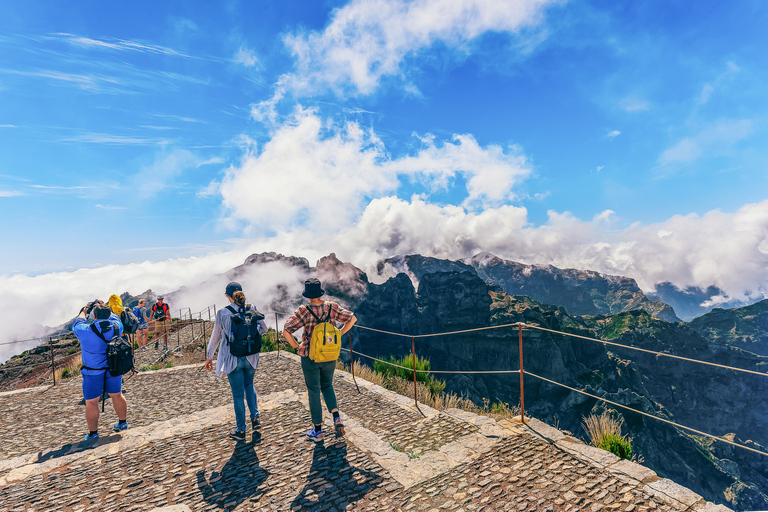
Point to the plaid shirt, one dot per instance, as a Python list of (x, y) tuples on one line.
[(303, 318)]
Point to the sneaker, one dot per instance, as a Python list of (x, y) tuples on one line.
[(314, 435), (89, 437), (255, 423), (339, 426), (120, 426), (237, 436)]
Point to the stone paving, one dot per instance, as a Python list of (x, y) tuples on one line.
[(394, 457)]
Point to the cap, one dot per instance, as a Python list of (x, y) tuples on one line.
[(232, 288)]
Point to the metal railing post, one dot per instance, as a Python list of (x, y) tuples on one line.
[(277, 337), (413, 353), (53, 360), (522, 372), (351, 355)]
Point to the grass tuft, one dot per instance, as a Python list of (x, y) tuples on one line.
[(605, 432)]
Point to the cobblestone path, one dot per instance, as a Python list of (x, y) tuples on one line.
[(525, 474), (394, 458)]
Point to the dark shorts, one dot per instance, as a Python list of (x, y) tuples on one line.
[(93, 385)]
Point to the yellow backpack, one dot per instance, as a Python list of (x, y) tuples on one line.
[(325, 343)]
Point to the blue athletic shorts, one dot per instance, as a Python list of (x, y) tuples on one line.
[(93, 385)]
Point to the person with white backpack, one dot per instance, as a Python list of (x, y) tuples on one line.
[(319, 349)]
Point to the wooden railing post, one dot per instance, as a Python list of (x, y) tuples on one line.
[(522, 372), (413, 353), (53, 360)]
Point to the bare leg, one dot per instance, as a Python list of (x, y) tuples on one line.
[(92, 414), (120, 405)]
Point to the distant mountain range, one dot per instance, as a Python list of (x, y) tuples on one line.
[(423, 295)]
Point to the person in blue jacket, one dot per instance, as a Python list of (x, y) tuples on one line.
[(94, 354)]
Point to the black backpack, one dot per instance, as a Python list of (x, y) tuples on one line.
[(119, 357), (161, 313), (130, 322), (244, 338)]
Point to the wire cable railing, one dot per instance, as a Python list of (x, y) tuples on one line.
[(523, 372), (189, 315)]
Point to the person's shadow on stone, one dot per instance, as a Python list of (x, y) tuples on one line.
[(238, 480), (332, 483)]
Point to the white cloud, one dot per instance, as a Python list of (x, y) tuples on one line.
[(109, 207), (104, 138), (162, 173), (246, 57), (10, 193), (322, 174), (111, 43), (614, 133), (367, 40), (714, 139), (634, 104), (493, 174)]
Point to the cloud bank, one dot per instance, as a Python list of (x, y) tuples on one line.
[(729, 250), (314, 172)]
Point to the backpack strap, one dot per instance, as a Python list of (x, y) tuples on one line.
[(317, 317), (100, 334)]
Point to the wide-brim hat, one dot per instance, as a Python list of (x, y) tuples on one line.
[(313, 289)]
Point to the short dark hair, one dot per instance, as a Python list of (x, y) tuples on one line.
[(101, 311)]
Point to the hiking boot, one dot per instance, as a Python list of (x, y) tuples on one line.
[(120, 426), (339, 426), (315, 436), (255, 424), (237, 436), (91, 437)]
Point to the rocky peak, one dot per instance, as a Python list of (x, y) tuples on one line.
[(269, 257), (342, 280)]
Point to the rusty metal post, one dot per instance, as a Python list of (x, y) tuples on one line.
[(522, 372), (277, 336), (351, 355), (53, 360), (413, 353)]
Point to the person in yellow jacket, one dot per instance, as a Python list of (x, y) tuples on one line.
[(115, 304)]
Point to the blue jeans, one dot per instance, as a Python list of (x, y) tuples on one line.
[(241, 382)]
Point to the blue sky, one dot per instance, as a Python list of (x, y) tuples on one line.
[(625, 137)]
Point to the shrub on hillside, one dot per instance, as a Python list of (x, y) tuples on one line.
[(616, 445), (435, 386)]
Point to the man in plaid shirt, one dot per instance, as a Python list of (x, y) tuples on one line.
[(318, 376)]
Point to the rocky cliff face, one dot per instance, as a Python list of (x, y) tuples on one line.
[(693, 302), (746, 327), (581, 292), (708, 399)]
